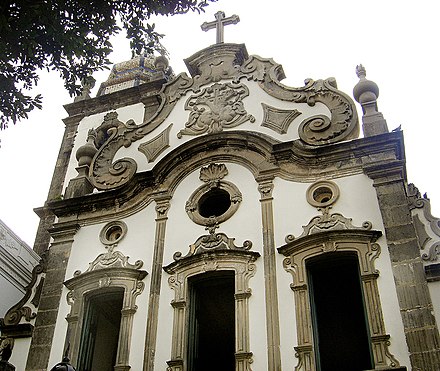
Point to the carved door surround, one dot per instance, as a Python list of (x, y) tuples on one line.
[(110, 271), (241, 262), (347, 238)]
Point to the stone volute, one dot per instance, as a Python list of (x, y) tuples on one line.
[(366, 93)]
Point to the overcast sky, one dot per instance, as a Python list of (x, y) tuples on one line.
[(397, 42)]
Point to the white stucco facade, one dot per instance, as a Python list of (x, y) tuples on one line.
[(184, 178)]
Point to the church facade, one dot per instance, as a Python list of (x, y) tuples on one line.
[(222, 220)]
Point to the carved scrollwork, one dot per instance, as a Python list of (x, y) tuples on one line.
[(319, 129), (424, 222), (220, 106), (6, 347), (433, 252), (106, 174), (216, 107), (210, 242), (21, 310), (111, 259), (328, 222)]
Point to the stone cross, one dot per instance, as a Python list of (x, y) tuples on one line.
[(219, 24)]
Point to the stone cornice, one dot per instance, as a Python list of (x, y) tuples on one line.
[(142, 93), (94, 276), (260, 154), (382, 147), (386, 172), (63, 232)]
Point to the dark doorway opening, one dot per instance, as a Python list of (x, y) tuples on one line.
[(211, 341), (340, 329), (100, 332)]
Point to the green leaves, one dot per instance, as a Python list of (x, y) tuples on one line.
[(71, 37)]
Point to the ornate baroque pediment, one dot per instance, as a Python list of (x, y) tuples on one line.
[(215, 106), (328, 222), (210, 242)]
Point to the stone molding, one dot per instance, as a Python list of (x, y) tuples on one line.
[(212, 176), (25, 310), (242, 263), (102, 278), (407, 265), (362, 242), (154, 147), (162, 207), (316, 131), (278, 119), (261, 155), (429, 226), (265, 187), (322, 194)]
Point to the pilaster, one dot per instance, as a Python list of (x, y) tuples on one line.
[(272, 317), (47, 219), (58, 257), (162, 206), (421, 331)]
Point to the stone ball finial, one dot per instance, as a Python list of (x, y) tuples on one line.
[(365, 91), (161, 63)]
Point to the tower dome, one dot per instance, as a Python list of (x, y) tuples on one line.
[(136, 71)]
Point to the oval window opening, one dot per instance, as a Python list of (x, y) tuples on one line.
[(114, 233), (322, 195), (214, 203)]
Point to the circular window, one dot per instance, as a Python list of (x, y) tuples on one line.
[(322, 194), (219, 202), (113, 232), (214, 203)]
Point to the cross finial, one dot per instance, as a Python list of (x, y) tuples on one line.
[(219, 23)]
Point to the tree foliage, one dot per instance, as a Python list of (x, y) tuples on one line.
[(71, 37)]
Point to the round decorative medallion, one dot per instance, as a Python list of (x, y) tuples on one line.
[(322, 194), (113, 232)]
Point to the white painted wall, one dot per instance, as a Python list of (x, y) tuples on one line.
[(17, 260), (138, 245), (291, 212), (18, 357), (358, 201), (434, 290), (181, 231)]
